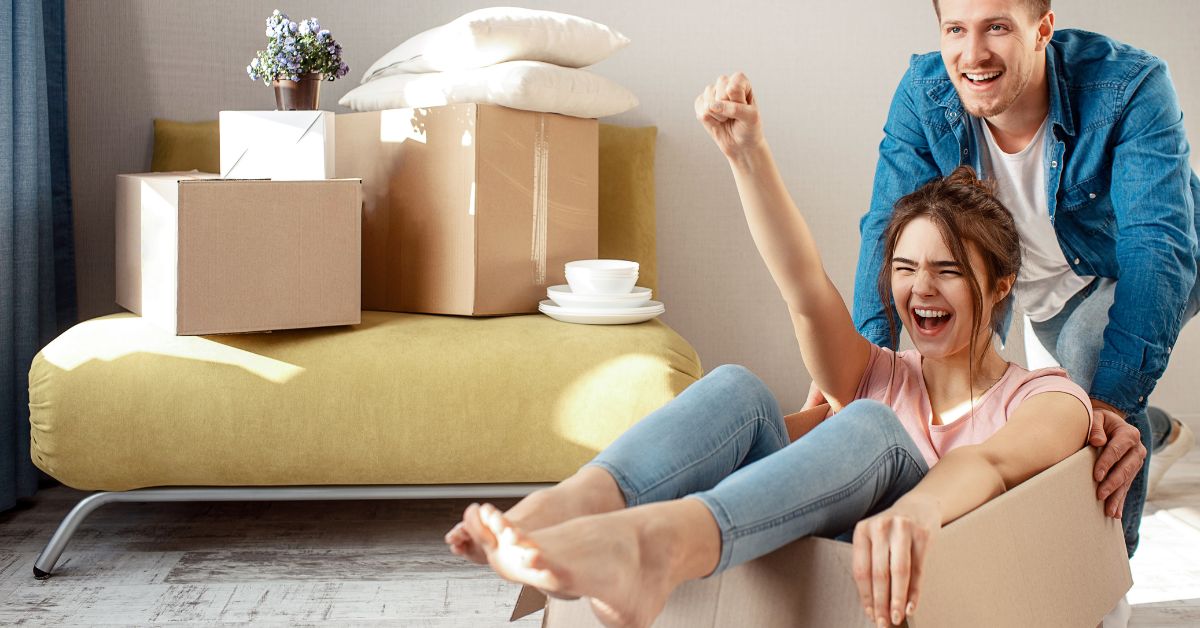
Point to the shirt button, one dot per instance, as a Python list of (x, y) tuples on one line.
[(1141, 399), (964, 151), (1092, 195), (1054, 164), (1077, 261)]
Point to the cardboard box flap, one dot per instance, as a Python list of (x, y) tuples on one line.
[(1042, 554), (529, 601)]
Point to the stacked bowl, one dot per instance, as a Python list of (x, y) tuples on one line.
[(601, 292)]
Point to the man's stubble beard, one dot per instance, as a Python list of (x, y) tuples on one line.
[(1005, 102)]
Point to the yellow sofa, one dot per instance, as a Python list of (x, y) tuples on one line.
[(401, 405)]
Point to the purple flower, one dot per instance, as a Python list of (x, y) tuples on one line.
[(297, 48)]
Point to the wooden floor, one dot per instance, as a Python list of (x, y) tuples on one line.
[(378, 563)]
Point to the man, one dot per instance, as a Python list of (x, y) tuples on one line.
[(1085, 140)]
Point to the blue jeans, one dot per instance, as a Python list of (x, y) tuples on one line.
[(724, 441), (1074, 338)]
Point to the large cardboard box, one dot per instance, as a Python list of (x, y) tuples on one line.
[(199, 255), (279, 145), (470, 209), (1040, 555)]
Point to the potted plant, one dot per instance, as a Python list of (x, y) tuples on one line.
[(298, 57)]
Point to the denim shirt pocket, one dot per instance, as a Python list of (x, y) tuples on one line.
[(1085, 224), (1089, 205)]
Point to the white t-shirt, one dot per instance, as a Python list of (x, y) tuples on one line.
[(1046, 281)]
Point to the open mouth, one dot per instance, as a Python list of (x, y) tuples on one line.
[(982, 78), (931, 321)]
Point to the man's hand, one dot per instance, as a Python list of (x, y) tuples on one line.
[(729, 113), (1120, 460)]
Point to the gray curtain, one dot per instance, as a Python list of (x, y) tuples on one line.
[(37, 268)]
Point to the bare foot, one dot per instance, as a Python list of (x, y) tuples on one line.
[(627, 562), (589, 491)]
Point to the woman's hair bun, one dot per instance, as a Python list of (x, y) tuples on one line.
[(965, 176)]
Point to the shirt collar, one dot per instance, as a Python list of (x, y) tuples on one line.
[(1060, 102)]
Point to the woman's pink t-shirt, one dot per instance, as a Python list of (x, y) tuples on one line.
[(903, 389)]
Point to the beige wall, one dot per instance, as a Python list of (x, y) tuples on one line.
[(823, 72)]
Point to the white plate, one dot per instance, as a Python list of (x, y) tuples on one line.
[(623, 316), (564, 297)]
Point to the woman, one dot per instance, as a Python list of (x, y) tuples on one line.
[(712, 480)]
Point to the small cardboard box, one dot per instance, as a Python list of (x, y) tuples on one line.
[(470, 209), (1042, 554), (279, 145), (199, 255)]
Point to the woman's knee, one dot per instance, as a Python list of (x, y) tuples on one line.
[(867, 416), (738, 378), (736, 386)]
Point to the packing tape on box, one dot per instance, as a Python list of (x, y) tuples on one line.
[(541, 199)]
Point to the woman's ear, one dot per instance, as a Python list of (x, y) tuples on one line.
[(1004, 287)]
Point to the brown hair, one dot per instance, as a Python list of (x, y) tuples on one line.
[(965, 210), (1037, 7)]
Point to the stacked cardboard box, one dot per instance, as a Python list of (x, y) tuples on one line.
[(200, 255), (470, 209)]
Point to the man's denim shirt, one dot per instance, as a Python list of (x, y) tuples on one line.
[(1122, 196)]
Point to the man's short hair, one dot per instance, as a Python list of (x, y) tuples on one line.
[(1038, 7)]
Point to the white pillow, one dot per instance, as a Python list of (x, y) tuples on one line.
[(497, 34), (528, 85)]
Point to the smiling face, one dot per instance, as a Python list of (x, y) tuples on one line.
[(933, 293), (991, 50)]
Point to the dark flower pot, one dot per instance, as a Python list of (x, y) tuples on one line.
[(302, 95)]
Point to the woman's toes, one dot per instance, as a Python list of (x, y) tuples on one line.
[(501, 528), (476, 529), (457, 534)]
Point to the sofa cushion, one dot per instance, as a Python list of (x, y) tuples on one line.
[(183, 146), (117, 404)]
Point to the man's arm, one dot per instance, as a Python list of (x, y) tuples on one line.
[(1154, 214), (905, 163)]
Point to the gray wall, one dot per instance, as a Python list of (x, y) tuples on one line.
[(823, 72)]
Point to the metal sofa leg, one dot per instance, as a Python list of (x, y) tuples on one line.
[(49, 556), (44, 565)]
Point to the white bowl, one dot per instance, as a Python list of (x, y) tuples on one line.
[(584, 282), (565, 297), (604, 266)]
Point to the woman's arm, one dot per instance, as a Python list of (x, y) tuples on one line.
[(834, 353), (889, 548)]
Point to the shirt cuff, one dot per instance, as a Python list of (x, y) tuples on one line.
[(1121, 387)]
